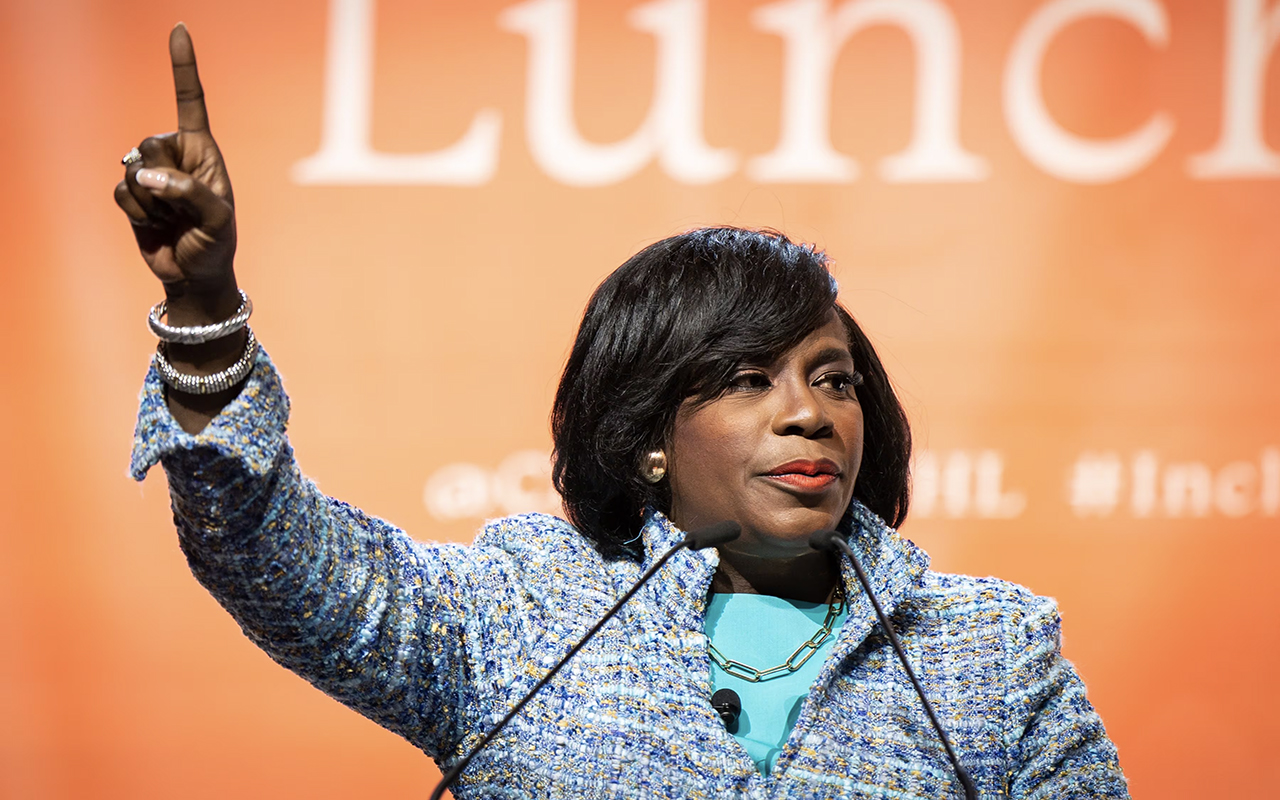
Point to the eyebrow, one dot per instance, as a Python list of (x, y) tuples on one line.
[(828, 354)]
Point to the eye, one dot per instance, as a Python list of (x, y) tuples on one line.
[(748, 380), (842, 382)]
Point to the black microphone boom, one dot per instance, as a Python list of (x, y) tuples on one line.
[(828, 540), (710, 536)]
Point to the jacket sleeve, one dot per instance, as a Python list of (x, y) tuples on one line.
[(1058, 747), (386, 625)]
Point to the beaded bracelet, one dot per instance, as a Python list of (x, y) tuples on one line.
[(208, 384), (199, 334)]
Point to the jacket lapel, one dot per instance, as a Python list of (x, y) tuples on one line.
[(893, 566)]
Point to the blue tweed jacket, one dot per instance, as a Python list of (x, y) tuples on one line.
[(436, 642)]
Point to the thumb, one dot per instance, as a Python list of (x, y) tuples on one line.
[(180, 188)]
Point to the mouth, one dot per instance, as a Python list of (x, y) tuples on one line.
[(807, 476)]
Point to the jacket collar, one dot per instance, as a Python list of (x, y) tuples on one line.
[(681, 588), (893, 565)]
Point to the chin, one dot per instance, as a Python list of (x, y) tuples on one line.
[(788, 534)]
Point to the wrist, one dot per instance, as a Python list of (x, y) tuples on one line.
[(190, 303), (208, 357)]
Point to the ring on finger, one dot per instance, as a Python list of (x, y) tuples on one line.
[(132, 157)]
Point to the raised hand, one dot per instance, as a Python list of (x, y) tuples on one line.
[(178, 197)]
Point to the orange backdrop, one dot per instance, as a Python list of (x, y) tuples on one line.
[(1049, 214)]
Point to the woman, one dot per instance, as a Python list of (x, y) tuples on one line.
[(714, 377)]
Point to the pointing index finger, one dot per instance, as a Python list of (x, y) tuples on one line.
[(192, 115)]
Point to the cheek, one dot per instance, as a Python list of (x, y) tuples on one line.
[(698, 450), (706, 453), (855, 441)]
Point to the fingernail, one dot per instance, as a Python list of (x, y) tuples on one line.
[(152, 178)]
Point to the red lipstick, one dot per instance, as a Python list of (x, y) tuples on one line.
[(805, 475)]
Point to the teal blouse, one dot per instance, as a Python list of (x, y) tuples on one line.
[(764, 631)]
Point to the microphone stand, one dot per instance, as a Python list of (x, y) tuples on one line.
[(827, 540), (696, 540)]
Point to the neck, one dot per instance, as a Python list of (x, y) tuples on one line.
[(808, 577)]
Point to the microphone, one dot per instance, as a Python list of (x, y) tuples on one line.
[(710, 536), (828, 541), (701, 539), (729, 706)]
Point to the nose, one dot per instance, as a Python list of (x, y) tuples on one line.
[(800, 411)]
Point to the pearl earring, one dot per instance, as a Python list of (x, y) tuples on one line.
[(655, 466)]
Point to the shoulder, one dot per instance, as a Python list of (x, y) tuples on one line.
[(997, 606), (533, 534), (545, 548), (950, 590)]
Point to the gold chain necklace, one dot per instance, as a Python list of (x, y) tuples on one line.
[(796, 660)]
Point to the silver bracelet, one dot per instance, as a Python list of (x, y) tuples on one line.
[(199, 334), (208, 384)]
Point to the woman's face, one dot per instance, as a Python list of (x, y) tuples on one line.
[(778, 452)]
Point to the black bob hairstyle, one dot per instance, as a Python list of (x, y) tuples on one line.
[(674, 322)]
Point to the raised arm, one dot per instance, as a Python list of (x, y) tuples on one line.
[(387, 625), (178, 198)]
